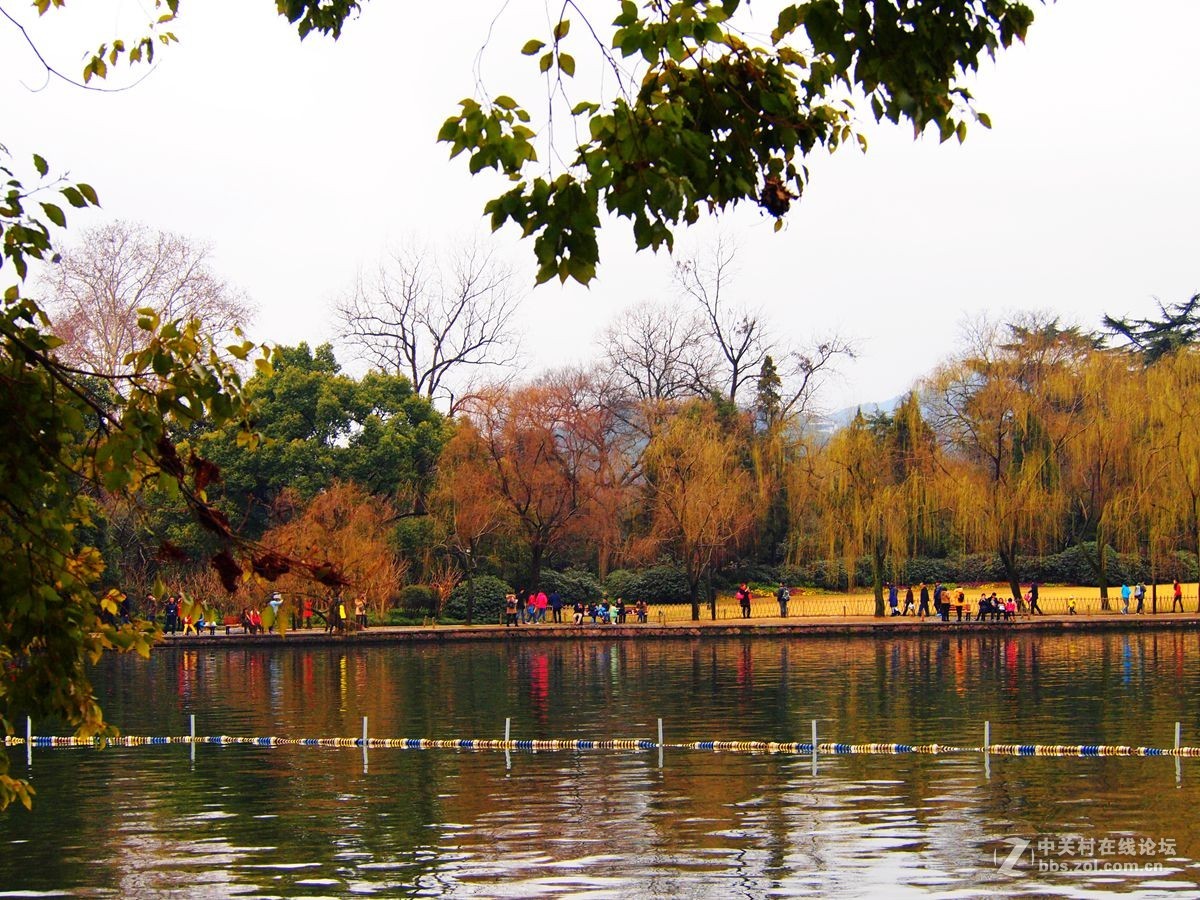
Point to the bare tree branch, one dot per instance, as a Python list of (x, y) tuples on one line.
[(431, 318), (117, 269), (739, 334), (805, 371), (655, 352)]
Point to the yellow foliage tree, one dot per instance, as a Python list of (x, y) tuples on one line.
[(874, 491), (1099, 460), (700, 495), (1173, 399), (1004, 410)]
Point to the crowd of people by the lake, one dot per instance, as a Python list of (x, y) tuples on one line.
[(183, 615), (947, 602), (532, 610)]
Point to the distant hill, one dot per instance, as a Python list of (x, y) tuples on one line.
[(839, 418)]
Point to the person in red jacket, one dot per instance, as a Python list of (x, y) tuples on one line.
[(743, 598)]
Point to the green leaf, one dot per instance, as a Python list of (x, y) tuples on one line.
[(546, 62), (566, 62), (74, 197), (55, 214), (561, 29), (505, 102), (533, 46), (41, 165)]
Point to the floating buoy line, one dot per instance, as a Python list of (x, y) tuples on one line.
[(770, 747)]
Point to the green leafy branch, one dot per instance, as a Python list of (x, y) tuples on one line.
[(718, 120)]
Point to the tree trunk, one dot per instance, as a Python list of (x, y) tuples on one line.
[(1008, 559), (470, 596), (1153, 582), (712, 595), (1102, 572), (694, 596), (877, 578), (536, 552)]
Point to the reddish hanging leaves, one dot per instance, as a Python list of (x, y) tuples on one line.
[(168, 457), (212, 519), (328, 574), (171, 553), (271, 565), (775, 197), (205, 471), (228, 570)]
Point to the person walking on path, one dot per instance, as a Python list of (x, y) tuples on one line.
[(783, 595), (539, 607), (510, 610), (908, 601), (893, 598), (743, 598), (172, 615), (1033, 600), (1124, 599), (1139, 594), (923, 609), (1177, 597), (556, 605)]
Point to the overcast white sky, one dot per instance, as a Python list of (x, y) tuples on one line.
[(300, 163)]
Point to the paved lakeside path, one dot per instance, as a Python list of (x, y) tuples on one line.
[(888, 627)]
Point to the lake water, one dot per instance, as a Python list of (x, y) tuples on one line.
[(290, 821)]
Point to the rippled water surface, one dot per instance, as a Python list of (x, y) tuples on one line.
[(311, 822)]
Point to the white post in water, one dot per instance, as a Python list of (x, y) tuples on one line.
[(192, 742), (814, 746), (507, 738), (364, 745), (660, 743), (987, 755), (1178, 764), (29, 742)]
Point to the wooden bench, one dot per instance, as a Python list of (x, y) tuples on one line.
[(233, 622)]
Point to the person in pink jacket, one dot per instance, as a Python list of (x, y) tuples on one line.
[(540, 604)]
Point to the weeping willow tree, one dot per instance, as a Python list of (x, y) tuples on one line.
[(1005, 411), (700, 494), (873, 491), (1101, 471), (1173, 405)]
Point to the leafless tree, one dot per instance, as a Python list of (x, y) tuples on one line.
[(804, 371), (431, 317), (101, 283), (737, 333), (655, 352)]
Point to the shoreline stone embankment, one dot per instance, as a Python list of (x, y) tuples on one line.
[(767, 628)]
